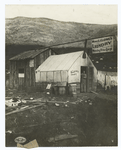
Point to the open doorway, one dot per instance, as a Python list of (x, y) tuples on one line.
[(83, 77), (86, 84)]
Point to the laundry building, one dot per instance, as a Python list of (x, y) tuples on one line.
[(71, 68)]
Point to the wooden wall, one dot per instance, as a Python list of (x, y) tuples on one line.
[(42, 57), (29, 79)]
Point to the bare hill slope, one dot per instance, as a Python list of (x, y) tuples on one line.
[(45, 32)]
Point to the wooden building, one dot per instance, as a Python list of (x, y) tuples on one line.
[(71, 68), (23, 66)]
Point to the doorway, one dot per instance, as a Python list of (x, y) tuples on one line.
[(83, 79), (86, 84)]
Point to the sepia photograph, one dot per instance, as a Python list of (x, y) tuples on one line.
[(61, 75)]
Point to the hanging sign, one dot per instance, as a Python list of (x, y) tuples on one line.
[(102, 45)]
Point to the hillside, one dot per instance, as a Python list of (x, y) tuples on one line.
[(45, 32), (24, 34)]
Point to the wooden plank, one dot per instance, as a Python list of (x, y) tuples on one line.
[(35, 67), (94, 92), (27, 74), (62, 137), (87, 70), (36, 61), (17, 79), (10, 80), (16, 75), (32, 69), (12, 75), (16, 111), (30, 75), (14, 71), (24, 73), (60, 102)]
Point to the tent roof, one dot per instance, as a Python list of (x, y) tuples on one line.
[(59, 62)]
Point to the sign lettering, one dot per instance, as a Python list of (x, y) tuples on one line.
[(74, 72), (102, 45)]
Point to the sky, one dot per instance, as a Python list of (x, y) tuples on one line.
[(95, 14)]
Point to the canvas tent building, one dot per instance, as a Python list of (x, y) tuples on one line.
[(67, 68)]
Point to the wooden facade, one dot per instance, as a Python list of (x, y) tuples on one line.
[(23, 66)]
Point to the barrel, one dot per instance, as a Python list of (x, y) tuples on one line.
[(74, 90), (62, 90), (55, 90)]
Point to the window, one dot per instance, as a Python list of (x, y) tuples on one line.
[(21, 73), (21, 70)]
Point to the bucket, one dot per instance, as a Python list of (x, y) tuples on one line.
[(74, 94)]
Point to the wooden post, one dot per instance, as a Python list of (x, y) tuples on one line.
[(105, 82), (84, 54)]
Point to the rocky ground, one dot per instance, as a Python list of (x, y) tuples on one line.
[(88, 120)]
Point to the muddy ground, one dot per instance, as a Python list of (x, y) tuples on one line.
[(93, 118)]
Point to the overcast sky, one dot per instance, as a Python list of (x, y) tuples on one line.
[(96, 14)]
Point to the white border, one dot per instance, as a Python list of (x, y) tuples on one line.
[(2, 61)]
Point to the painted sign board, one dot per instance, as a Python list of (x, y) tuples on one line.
[(102, 45), (21, 75), (74, 72)]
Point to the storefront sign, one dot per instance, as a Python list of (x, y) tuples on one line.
[(102, 45), (74, 72)]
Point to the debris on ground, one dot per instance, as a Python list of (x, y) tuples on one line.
[(90, 103), (80, 100), (8, 98), (66, 105), (85, 98), (31, 98), (62, 137), (20, 139), (34, 119), (53, 99), (12, 102), (94, 92), (9, 131), (23, 101), (16, 111), (24, 107), (32, 144), (56, 104)]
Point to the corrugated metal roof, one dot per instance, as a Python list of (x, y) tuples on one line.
[(59, 62), (28, 54)]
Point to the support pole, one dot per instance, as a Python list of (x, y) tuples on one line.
[(84, 54)]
